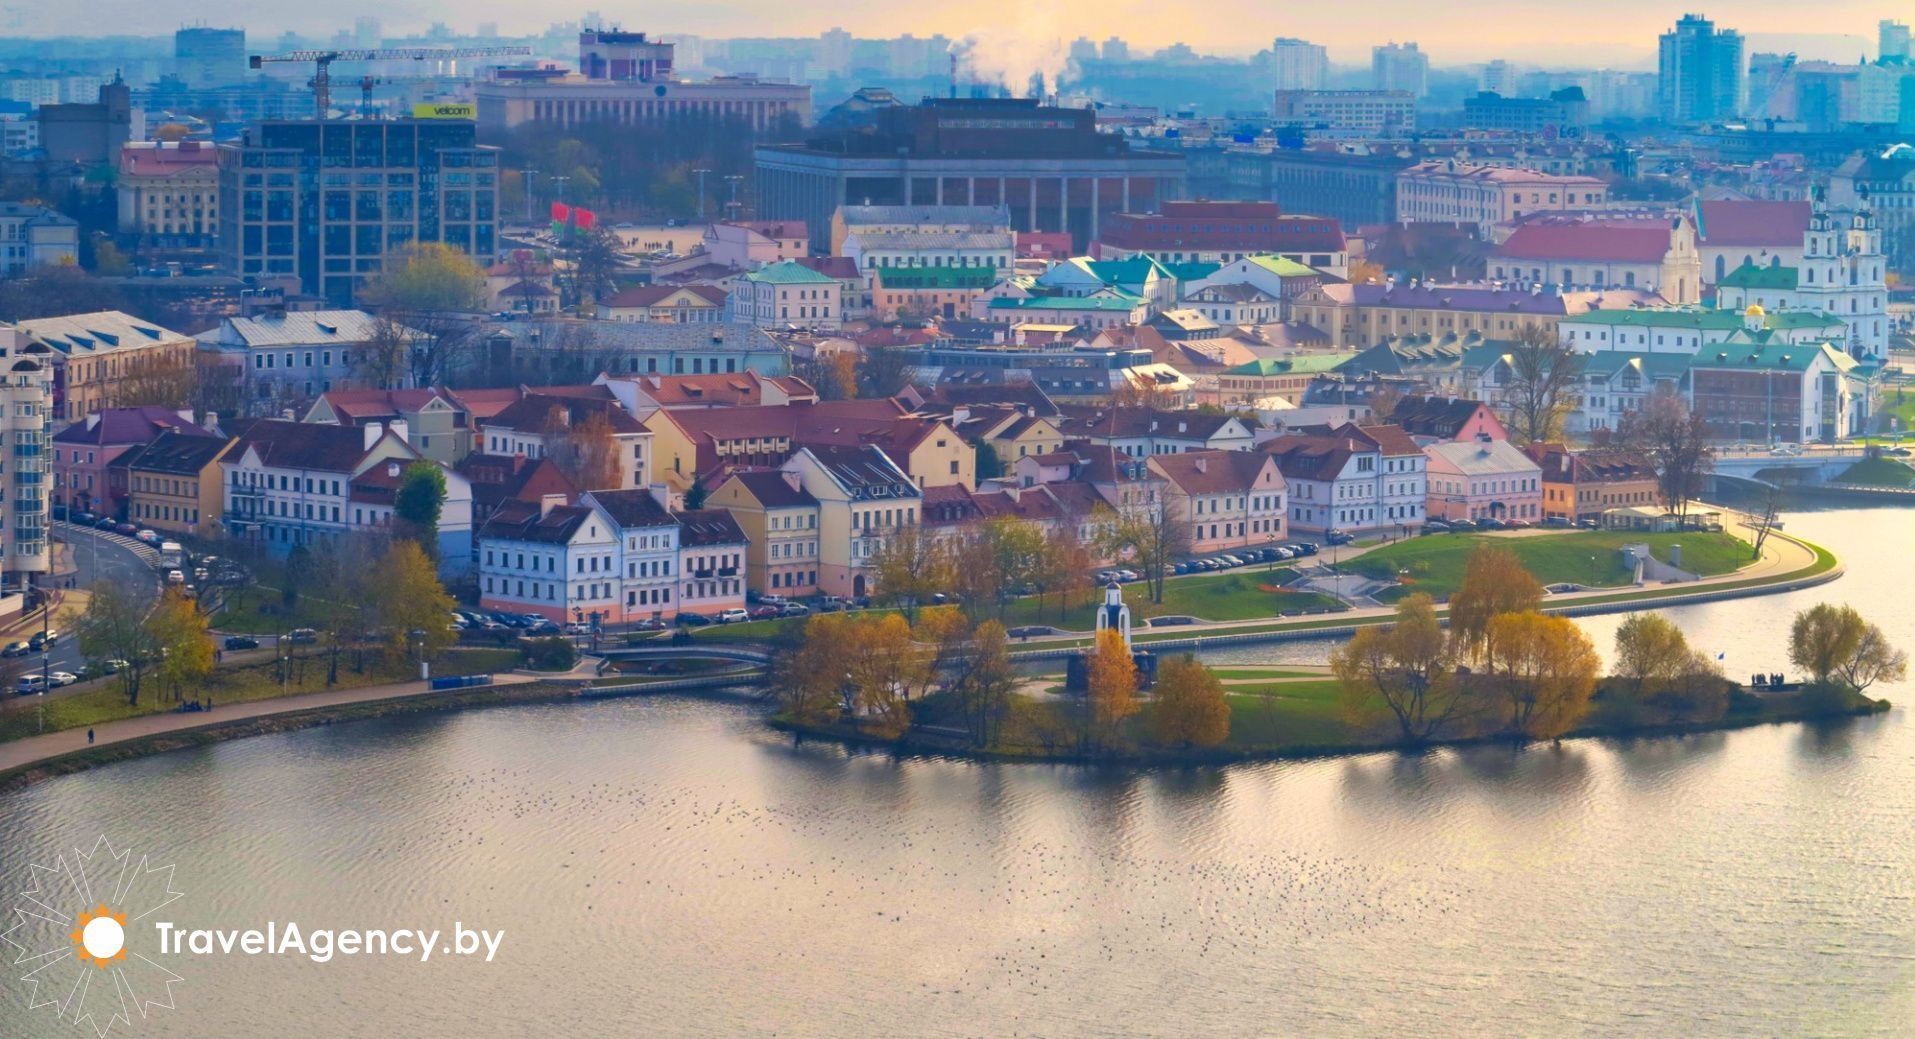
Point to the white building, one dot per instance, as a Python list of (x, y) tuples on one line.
[(1299, 64), (35, 236), (281, 359), (787, 293), (26, 393), (1684, 330), (1841, 275)]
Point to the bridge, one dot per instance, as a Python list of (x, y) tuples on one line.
[(1815, 464)]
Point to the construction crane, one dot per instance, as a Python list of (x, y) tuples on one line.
[(322, 63)]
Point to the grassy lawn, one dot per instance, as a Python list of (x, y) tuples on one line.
[(1879, 472), (105, 702), (1435, 564)]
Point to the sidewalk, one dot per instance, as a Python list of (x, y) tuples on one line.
[(53, 744)]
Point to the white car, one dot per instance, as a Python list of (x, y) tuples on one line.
[(60, 678), (175, 577), (578, 628), (735, 615)]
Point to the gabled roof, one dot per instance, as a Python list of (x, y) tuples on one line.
[(532, 413), (632, 508), (860, 470), (1107, 422), (368, 405), (522, 521), (303, 445), (181, 454), (1481, 458), (1797, 357), (496, 479), (1612, 241), (126, 426), (1302, 364), (1442, 417), (837, 268), (700, 527), (773, 491), (1211, 472), (928, 278), (102, 331), (653, 295), (295, 328), (788, 272)]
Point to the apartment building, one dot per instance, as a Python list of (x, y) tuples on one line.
[(1448, 192), (780, 521), (111, 359), (1230, 499)]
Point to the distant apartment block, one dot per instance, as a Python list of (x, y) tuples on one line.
[(1377, 112)]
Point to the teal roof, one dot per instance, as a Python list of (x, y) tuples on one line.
[(1192, 271), (1308, 364), (1125, 303), (1704, 318), (1785, 357), (935, 277), (1132, 271), (1749, 276), (1607, 363), (789, 272)]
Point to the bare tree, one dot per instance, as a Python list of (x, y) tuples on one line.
[(1542, 387), (1676, 442), (1152, 537)]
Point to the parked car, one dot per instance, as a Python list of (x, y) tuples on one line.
[(693, 620), (60, 678), (175, 577), (1306, 548), (735, 615), (1557, 521), (649, 624), (1169, 622), (1339, 537), (794, 609), (1490, 523), (1592, 523), (763, 613), (542, 627), (1180, 568), (85, 518), (241, 642), (1028, 630), (578, 628), (147, 536), (1462, 526), (303, 636), (125, 528), (106, 523), (113, 666), (30, 684)]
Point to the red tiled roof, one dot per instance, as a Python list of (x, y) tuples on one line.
[(1645, 241), (1729, 222), (651, 295)]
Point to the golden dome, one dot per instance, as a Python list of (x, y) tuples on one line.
[(1755, 310)]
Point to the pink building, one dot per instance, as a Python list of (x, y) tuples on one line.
[(1449, 192), (750, 244), (83, 450), (1483, 479), (1435, 420)]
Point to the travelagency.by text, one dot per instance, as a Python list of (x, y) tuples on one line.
[(319, 945)]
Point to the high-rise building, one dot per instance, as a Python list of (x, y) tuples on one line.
[(1892, 38), (366, 33), (1499, 77), (1116, 50), (1400, 66), (1300, 65), (26, 395), (207, 57), (327, 201), (1083, 48), (834, 53), (1701, 72)]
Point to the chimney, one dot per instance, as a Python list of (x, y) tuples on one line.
[(373, 431), (400, 429), (392, 470), (286, 415), (549, 502), (1202, 464)]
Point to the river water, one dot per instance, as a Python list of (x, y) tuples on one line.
[(669, 868)]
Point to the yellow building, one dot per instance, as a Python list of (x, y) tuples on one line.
[(173, 483), (780, 521), (112, 360)]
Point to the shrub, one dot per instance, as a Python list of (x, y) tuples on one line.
[(551, 653)]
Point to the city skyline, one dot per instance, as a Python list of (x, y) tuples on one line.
[(1626, 34)]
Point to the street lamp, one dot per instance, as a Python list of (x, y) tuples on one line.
[(419, 642)]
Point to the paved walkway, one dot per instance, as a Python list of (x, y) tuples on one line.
[(40, 748)]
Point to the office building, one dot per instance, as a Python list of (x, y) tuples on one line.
[(169, 193), (1352, 112), (1400, 66), (205, 57), (1892, 42), (89, 133), (1050, 166), (1299, 64), (327, 201), (1563, 113), (626, 78), (1484, 196), (1701, 72)]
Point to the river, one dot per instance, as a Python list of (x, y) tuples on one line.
[(670, 868)]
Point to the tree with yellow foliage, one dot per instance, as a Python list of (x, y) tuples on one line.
[(1494, 582), (184, 645), (1405, 671), (411, 606), (810, 680), (1190, 708), (1544, 669), (1112, 689), (882, 666)]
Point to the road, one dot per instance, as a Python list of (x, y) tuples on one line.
[(96, 557)]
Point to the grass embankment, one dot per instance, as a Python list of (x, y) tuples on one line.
[(215, 732), (1291, 717), (105, 702), (1435, 564), (1879, 472)]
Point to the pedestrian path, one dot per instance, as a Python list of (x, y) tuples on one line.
[(35, 749)]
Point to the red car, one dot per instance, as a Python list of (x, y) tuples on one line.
[(764, 613)]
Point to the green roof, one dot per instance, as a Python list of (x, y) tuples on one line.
[(935, 277), (1702, 318), (789, 272), (1789, 357), (1192, 271), (1307, 364), (1123, 303), (1282, 267), (1132, 271), (1749, 276)]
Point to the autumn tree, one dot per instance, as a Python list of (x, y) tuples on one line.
[(417, 504), (412, 607), (988, 557), (1544, 373), (882, 665), (1650, 652), (911, 566), (1405, 671), (1152, 538), (810, 680), (182, 642), (1136, 391), (384, 360), (983, 683), (1062, 567), (834, 374), (114, 628), (1112, 697), (1544, 670), (1494, 582), (433, 290), (1190, 708), (585, 449), (882, 371), (1830, 641), (169, 380), (1676, 442), (1695, 692)]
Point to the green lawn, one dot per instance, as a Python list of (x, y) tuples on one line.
[(1879, 472), (105, 702), (1435, 564)]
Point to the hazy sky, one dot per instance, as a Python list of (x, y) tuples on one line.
[(1614, 32)]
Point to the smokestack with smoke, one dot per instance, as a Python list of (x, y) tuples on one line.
[(1025, 56)]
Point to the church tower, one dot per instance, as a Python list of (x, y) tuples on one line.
[(1114, 614)]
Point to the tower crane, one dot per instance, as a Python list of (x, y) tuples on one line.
[(322, 62)]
